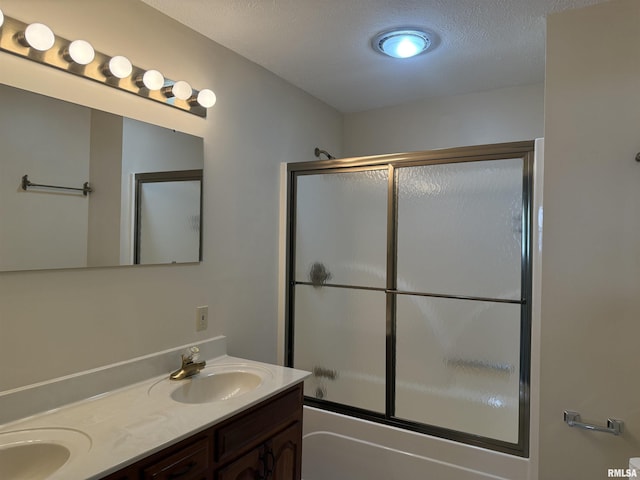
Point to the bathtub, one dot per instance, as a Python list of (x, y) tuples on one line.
[(338, 447)]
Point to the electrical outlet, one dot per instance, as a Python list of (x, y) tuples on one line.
[(202, 318)]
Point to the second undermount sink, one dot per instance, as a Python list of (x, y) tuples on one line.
[(36, 454), (213, 384)]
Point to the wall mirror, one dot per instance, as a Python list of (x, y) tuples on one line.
[(49, 220)]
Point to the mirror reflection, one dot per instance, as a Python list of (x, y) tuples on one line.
[(61, 144), (167, 217)]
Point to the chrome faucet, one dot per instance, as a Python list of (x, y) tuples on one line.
[(190, 365)]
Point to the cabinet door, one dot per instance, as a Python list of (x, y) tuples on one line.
[(277, 459), (284, 450), (253, 428), (250, 466)]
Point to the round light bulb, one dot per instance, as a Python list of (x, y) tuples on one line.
[(403, 43), (408, 47), (206, 98), (120, 66), (39, 37), (181, 90), (153, 79), (81, 52), (1, 17)]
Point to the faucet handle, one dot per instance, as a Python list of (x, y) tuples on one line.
[(191, 355)]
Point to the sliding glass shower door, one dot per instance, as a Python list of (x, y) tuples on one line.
[(340, 274), (409, 288), (459, 278)]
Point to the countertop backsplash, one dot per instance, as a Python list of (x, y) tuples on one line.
[(29, 400)]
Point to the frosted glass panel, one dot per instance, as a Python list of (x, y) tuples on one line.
[(340, 336), (460, 228), (170, 222), (457, 365), (341, 227)]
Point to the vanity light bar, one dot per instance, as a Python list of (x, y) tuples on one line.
[(37, 42)]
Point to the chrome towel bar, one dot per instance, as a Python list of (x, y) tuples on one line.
[(613, 427)]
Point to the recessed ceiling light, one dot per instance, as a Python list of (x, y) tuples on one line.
[(402, 42)]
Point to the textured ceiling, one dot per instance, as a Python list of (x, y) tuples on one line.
[(323, 46)]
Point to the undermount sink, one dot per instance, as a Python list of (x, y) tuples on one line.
[(212, 384), (38, 453)]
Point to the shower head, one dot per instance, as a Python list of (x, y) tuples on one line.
[(317, 152)]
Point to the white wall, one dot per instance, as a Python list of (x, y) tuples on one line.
[(502, 115), (591, 261), (67, 321)]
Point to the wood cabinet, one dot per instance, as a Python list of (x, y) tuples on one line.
[(249, 466), (285, 451), (262, 443), (190, 462), (276, 459)]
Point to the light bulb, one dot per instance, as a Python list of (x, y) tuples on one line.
[(206, 98), (181, 90), (406, 48), (153, 79), (39, 37), (80, 52), (403, 43), (120, 66)]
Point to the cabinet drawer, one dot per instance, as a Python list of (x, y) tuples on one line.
[(241, 433), (186, 464)]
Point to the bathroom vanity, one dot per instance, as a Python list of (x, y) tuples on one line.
[(262, 442), (236, 419)]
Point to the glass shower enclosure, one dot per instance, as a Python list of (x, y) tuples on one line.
[(409, 287)]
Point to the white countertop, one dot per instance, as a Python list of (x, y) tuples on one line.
[(133, 422)]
